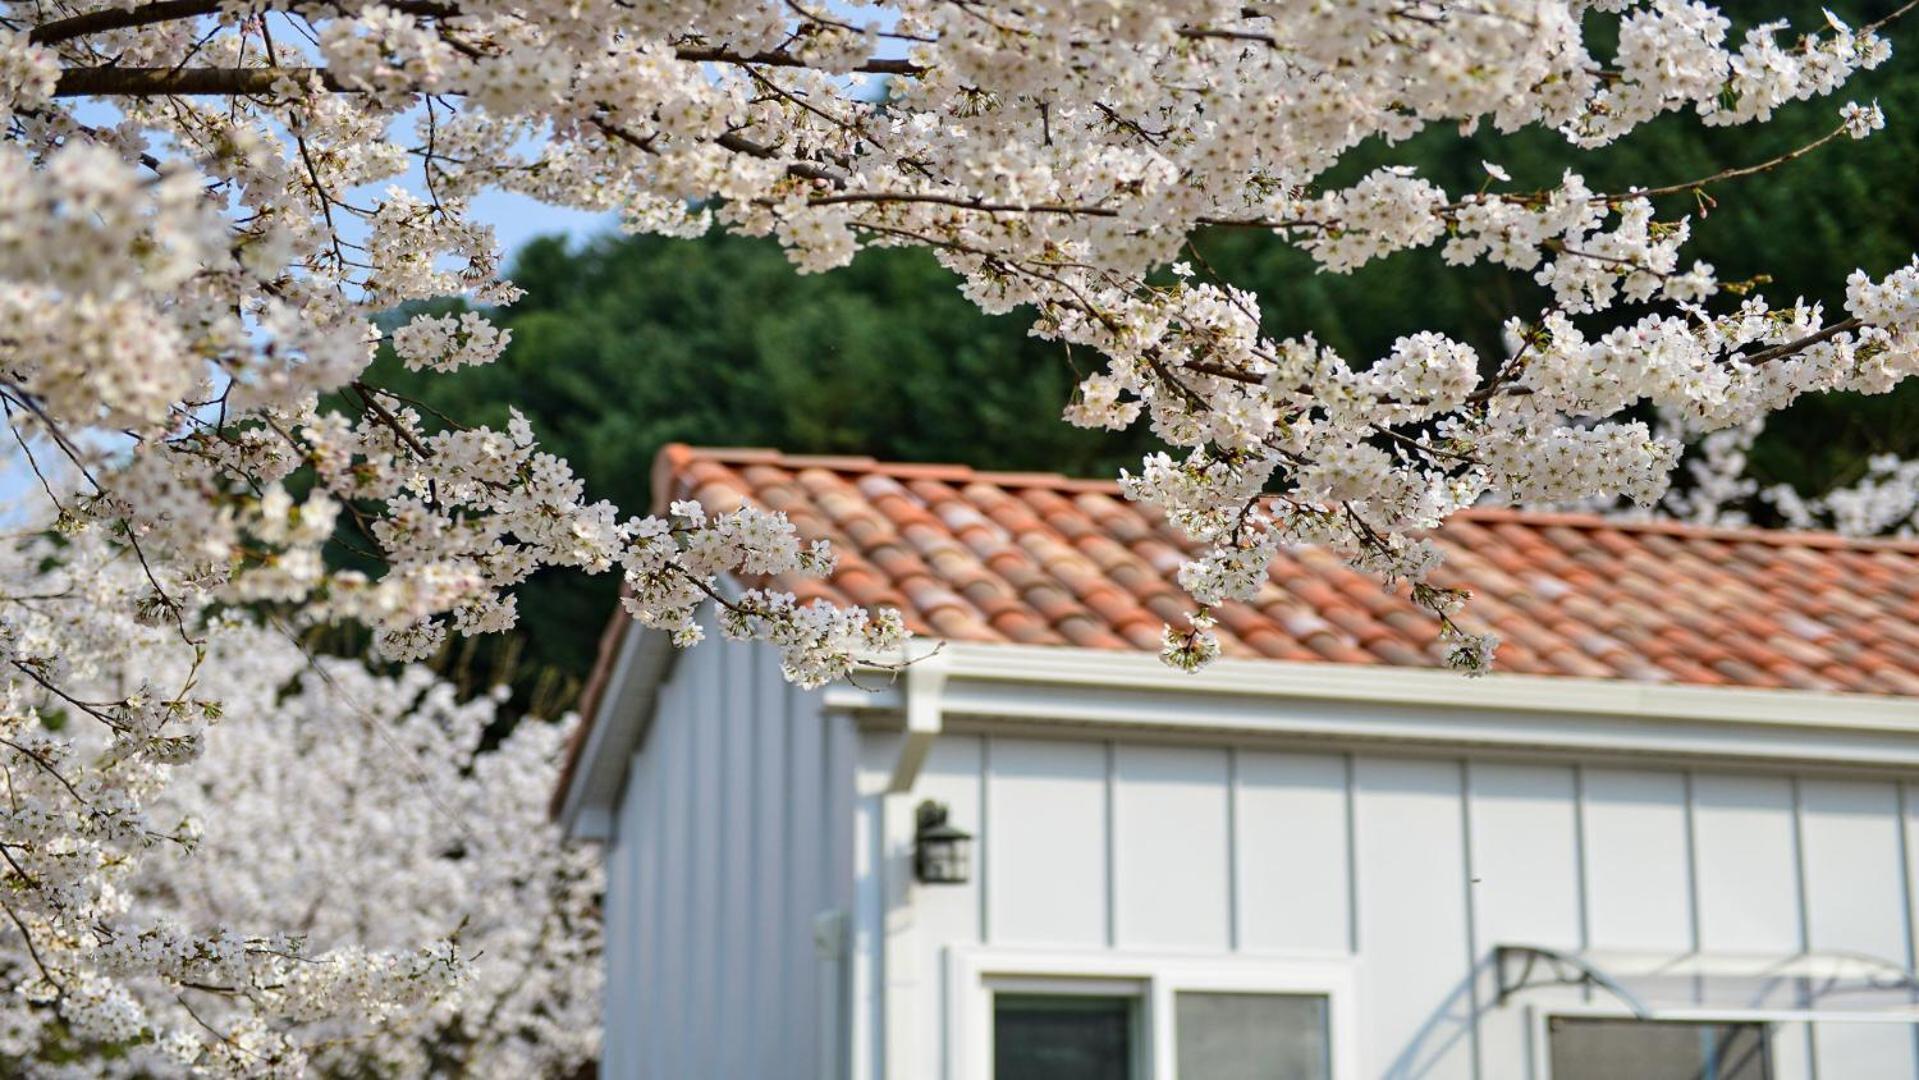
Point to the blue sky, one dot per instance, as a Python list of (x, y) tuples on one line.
[(517, 219)]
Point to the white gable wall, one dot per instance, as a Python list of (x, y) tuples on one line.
[(1412, 868), (732, 835)]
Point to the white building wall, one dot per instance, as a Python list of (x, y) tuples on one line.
[(733, 835), (1415, 866)]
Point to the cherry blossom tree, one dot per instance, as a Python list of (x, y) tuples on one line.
[(96, 974), (322, 868), (205, 206), (390, 827), (1883, 501)]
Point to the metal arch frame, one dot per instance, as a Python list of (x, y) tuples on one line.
[(1588, 974), (1574, 969)]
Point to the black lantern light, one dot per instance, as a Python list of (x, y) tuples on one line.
[(942, 852)]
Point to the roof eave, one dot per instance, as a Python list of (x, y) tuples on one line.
[(1347, 704), (613, 725)]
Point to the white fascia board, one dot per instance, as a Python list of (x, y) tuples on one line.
[(1045, 685), (625, 713)]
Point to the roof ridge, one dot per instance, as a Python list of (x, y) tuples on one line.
[(674, 457), (1743, 533)]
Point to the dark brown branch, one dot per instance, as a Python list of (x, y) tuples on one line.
[(982, 205), (161, 11), (183, 82), (801, 169), (874, 66), (227, 82), (95, 22), (1728, 174), (1779, 351), (386, 417)]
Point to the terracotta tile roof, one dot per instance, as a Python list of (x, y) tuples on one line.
[(1039, 559)]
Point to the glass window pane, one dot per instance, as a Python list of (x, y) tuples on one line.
[(1062, 1037), (1252, 1037), (1598, 1048)]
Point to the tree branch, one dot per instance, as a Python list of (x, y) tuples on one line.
[(874, 66), (1800, 344), (95, 22), (227, 82), (160, 11), (194, 81)]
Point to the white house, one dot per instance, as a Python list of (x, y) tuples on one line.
[(1674, 837)]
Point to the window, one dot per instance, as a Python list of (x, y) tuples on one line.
[(1246, 1036), (1062, 1037), (1603, 1048), (1024, 1014)]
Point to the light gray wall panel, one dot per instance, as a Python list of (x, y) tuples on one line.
[(1525, 880), (701, 973), (619, 931), (838, 830), (1746, 857), (1746, 869), (1855, 902), (806, 883), (1416, 986), (1292, 851), (644, 808), (1638, 861), (677, 879), (1172, 867), (1046, 863)]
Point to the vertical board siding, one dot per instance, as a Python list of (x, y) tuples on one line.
[(873, 908), (1291, 852), (702, 938), (1638, 861), (640, 1023), (771, 959), (739, 724), (806, 884), (1172, 869), (1427, 865), (1525, 880), (1415, 996), (721, 859), (675, 929), (617, 938), (1855, 900), (839, 768), (1046, 861), (1746, 854), (1746, 867)]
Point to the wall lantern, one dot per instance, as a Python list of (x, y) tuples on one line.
[(942, 853)]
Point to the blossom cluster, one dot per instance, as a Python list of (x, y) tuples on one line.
[(232, 857)]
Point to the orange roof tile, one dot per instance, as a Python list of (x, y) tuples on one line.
[(1038, 558)]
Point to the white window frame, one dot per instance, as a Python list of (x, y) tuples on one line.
[(974, 974), (1541, 1016)]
